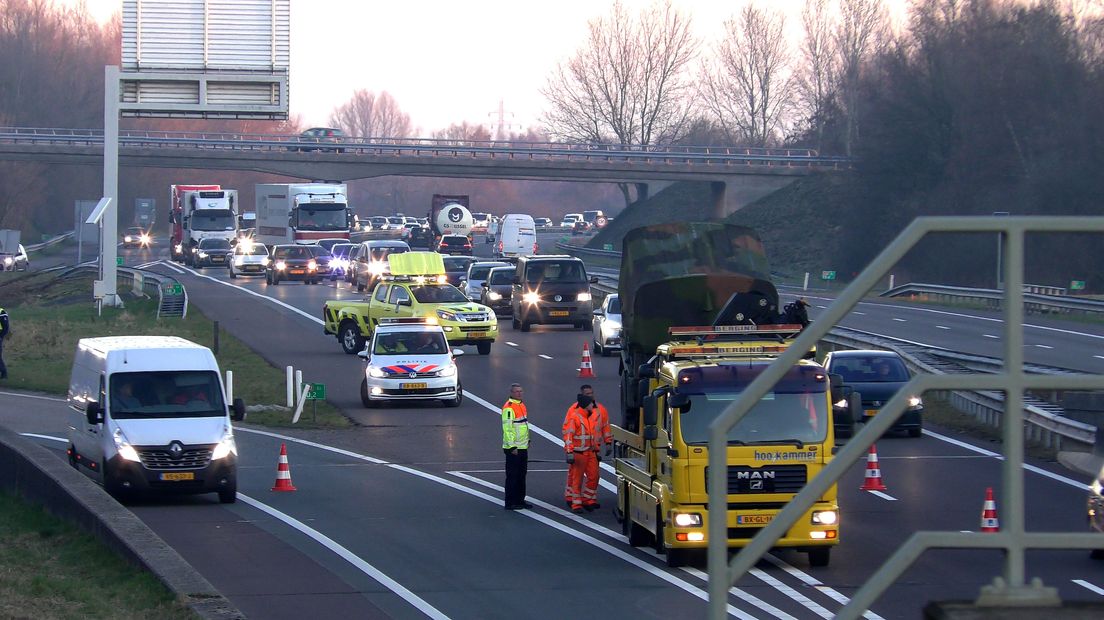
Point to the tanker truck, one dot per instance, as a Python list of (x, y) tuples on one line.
[(449, 215)]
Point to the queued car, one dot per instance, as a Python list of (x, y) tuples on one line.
[(551, 289), (454, 244), (377, 222), (17, 261), (212, 253), (472, 283), (420, 237), (876, 376), (137, 237), (329, 243), (410, 360), (607, 326), (291, 262), (580, 227), (542, 222), (496, 290), (339, 264), (570, 219), (322, 259), (456, 268), (248, 259), (369, 261), (314, 138), (395, 222)]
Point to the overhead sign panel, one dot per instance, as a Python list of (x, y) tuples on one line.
[(205, 58)]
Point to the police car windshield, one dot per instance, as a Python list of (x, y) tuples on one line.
[(169, 394), (778, 418), (405, 343), (438, 294)]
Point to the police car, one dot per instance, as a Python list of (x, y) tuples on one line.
[(409, 359)]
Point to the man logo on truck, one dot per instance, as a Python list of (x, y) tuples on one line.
[(754, 475)]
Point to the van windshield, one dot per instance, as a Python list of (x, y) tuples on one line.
[(555, 271), (166, 394)]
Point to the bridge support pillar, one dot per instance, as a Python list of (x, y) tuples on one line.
[(718, 194)]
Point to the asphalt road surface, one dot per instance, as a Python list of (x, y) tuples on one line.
[(402, 516)]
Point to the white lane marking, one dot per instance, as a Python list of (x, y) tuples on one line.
[(609, 486), (34, 396), (884, 496), (1101, 357), (858, 313), (990, 336), (528, 513), (621, 538), (255, 294), (809, 580), (348, 556), (941, 327), (512, 344), (1090, 587), (547, 357), (786, 590), (1044, 346), (822, 307), (172, 266), (1031, 468), (37, 436), (900, 320)]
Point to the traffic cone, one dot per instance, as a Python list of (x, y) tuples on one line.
[(873, 479), (283, 472), (989, 522), (586, 371)]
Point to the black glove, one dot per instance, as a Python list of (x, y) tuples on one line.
[(570, 458), (598, 456), (609, 449)]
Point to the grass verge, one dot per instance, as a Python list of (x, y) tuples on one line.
[(49, 315), (50, 569)]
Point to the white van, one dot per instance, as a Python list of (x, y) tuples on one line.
[(517, 236), (148, 414)]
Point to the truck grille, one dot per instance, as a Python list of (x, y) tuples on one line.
[(160, 458), (768, 479)]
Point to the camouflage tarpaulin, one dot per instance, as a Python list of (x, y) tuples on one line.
[(683, 274)]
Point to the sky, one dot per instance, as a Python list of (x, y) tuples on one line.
[(447, 62)]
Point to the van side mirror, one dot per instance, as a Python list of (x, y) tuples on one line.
[(238, 410), (93, 413)]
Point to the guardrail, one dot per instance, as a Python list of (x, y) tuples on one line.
[(49, 242), (1033, 302), (172, 297)]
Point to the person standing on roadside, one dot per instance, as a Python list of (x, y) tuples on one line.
[(603, 434), (4, 329), (515, 444), (581, 445)]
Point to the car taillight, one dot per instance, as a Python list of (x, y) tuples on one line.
[(499, 246), (535, 248)]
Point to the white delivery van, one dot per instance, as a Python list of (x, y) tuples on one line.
[(517, 236), (148, 414)]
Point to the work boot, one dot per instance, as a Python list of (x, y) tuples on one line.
[(577, 510), (592, 507)]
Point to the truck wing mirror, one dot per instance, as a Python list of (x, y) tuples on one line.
[(679, 401), (594, 279), (650, 410), (646, 371), (835, 379), (239, 410), (93, 413)]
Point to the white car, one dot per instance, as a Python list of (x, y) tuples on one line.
[(472, 284), (248, 259), (607, 326), (408, 359), (15, 262), (570, 219)]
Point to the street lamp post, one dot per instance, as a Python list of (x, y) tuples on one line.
[(1000, 253)]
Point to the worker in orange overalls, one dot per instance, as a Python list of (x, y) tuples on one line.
[(582, 447), (603, 432)]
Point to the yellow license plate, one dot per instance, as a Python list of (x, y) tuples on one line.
[(178, 475), (296, 272), (558, 313), (413, 386), (870, 412), (753, 519), (477, 334)]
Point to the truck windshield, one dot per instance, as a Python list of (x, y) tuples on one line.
[(779, 418), (438, 294), (166, 394), (213, 219), (322, 217)]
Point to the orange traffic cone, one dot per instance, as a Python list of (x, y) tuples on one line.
[(283, 472), (873, 479), (989, 522), (586, 371)]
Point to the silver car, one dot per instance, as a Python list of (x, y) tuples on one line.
[(472, 283), (249, 258), (606, 326)]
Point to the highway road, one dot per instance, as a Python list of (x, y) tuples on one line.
[(401, 516)]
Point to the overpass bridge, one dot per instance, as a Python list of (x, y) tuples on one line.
[(739, 175)]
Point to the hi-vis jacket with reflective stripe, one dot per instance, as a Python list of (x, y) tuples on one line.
[(515, 425), (580, 430)]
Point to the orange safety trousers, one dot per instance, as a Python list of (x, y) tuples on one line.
[(582, 492)]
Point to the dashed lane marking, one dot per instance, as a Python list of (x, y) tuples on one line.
[(1090, 587), (941, 327), (990, 336), (900, 320), (547, 357), (512, 344), (885, 496)]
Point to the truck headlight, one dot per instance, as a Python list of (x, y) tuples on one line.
[(493, 296), (123, 447), (448, 371), (530, 298), (376, 373), (914, 402), (445, 315), (687, 519), (225, 447), (583, 297), (825, 517)]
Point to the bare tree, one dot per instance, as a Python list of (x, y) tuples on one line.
[(464, 132), (748, 86), (863, 30), (817, 75), (369, 115)]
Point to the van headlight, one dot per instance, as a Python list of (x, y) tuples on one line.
[(825, 517), (530, 298), (914, 402), (123, 447), (583, 297), (377, 268), (225, 447), (312, 265), (376, 373), (687, 519)]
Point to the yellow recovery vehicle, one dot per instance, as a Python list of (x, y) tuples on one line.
[(700, 322)]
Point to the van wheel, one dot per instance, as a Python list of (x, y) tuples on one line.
[(484, 348), (110, 484), (820, 556), (349, 337), (232, 274), (229, 495), (364, 400)]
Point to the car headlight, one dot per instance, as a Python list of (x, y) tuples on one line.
[(448, 371), (226, 447), (825, 517), (8, 260), (265, 261), (179, 248), (377, 373), (312, 265), (687, 519), (123, 447), (144, 239), (583, 297), (202, 254), (493, 296), (530, 298), (126, 239), (915, 402), (445, 315), (840, 404), (376, 268)]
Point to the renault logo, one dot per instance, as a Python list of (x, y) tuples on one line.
[(413, 374), (175, 449), (557, 298)]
